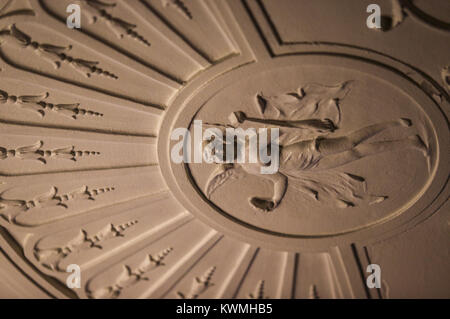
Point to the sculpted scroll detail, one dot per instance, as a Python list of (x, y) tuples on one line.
[(35, 152), (309, 150), (54, 54), (37, 103), (10, 209)]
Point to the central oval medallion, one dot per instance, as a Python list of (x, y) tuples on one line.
[(357, 143)]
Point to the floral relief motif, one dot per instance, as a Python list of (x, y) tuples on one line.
[(35, 152), (55, 54), (199, 285), (130, 276), (37, 103), (10, 209), (51, 257), (98, 10)]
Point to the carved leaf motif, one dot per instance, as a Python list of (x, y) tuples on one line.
[(20, 36), (33, 98), (35, 152), (46, 197), (258, 293), (199, 285), (31, 152), (52, 48), (51, 253), (38, 104), (11, 208), (55, 54), (97, 10), (130, 276), (51, 257), (3, 96), (31, 148), (180, 6)]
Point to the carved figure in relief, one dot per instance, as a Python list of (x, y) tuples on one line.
[(309, 154)]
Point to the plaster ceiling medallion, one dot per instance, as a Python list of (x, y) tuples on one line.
[(87, 175)]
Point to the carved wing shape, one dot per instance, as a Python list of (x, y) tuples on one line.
[(220, 176)]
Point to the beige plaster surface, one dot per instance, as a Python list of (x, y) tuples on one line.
[(86, 176)]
